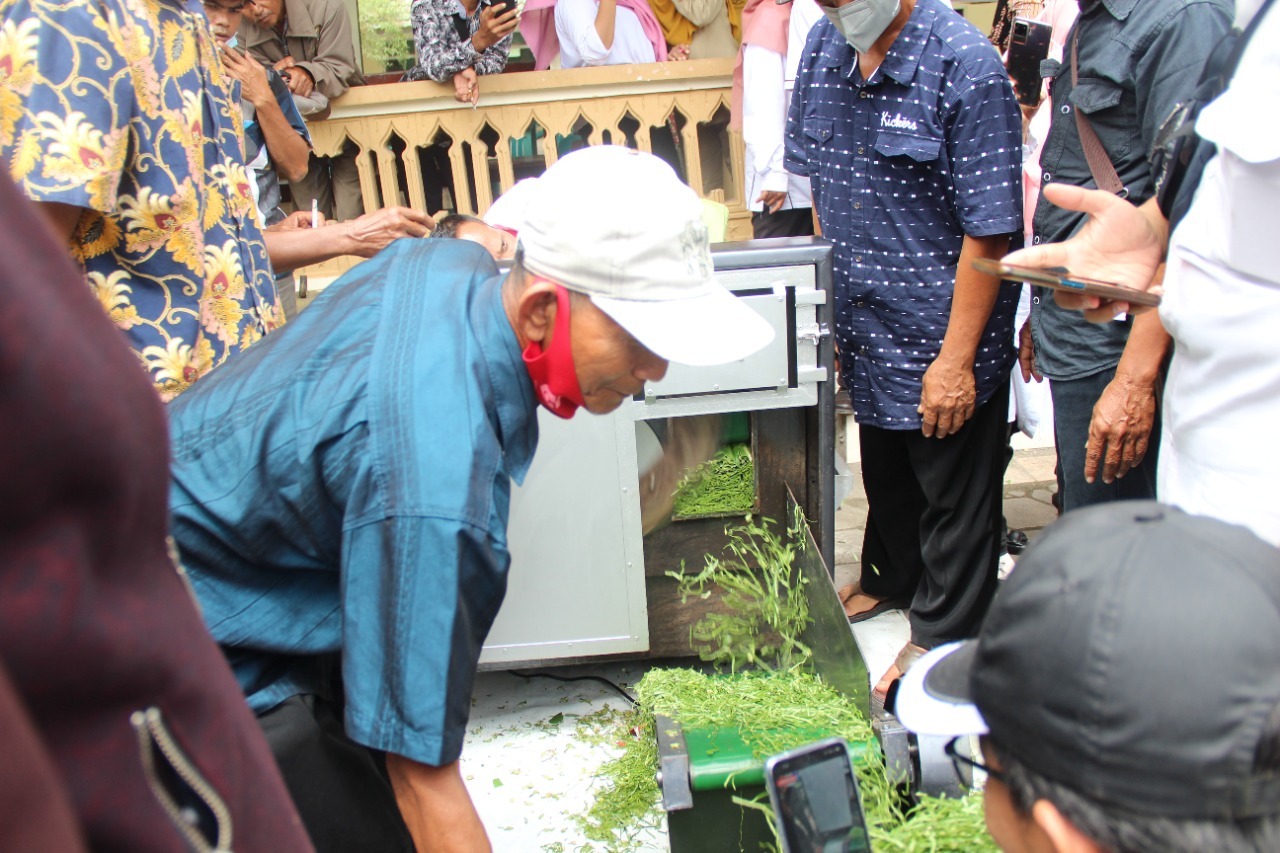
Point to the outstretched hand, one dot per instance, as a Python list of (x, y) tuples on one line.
[(1120, 242), (373, 232)]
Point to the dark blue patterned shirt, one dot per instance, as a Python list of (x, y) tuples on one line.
[(903, 166)]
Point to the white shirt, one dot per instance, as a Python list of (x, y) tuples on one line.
[(1222, 307), (580, 43), (767, 81)]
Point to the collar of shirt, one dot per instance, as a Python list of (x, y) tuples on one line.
[(1119, 9), (903, 58)]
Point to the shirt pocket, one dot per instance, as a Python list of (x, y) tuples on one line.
[(919, 149), (1113, 117), (819, 130)]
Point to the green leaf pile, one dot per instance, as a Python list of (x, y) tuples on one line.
[(775, 706), (723, 485)]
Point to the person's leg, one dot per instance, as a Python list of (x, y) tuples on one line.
[(1073, 402), (288, 292), (891, 558), (961, 529), (315, 184), (796, 222), (348, 203), (340, 788)]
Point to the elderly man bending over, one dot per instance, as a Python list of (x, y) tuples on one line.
[(386, 425)]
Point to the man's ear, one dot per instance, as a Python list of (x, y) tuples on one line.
[(536, 313), (1062, 834)]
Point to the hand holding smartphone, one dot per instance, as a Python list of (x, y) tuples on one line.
[(1028, 47), (816, 804), (1060, 278)]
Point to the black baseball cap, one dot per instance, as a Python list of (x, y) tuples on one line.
[(1132, 656)]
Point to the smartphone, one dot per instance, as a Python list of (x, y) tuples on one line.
[(1028, 47), (1059, 278), (502, 7), (816, 804)]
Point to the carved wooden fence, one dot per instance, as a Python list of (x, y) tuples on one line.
[(420, 147)]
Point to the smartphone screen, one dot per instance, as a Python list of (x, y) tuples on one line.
[(815, 800)]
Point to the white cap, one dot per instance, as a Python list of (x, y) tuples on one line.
[(620, 227), (933, 697), (510, 209)]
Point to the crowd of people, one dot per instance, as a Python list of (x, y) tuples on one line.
[(221, 577)]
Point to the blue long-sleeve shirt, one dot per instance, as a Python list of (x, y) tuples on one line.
[(345, 487)]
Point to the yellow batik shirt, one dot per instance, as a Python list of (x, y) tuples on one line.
[(122, 108)]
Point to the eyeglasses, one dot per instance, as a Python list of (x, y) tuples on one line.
[(958, 758)]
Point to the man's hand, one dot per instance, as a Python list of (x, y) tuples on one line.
[(1120, 243), (373, 232), (495, 25), (947, 397), (1120, 429), (466, 87), (252, 75), (297, 78), (772, 200), (1027, 354), (948, 394), (293, 243), (298, 220)]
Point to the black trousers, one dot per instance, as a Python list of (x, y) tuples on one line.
[(340, 788), (795, 222), (934, 523)]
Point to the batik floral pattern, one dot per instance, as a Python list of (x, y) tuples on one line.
[(122, 108)]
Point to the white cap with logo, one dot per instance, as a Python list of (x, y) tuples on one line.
[(618, 226)]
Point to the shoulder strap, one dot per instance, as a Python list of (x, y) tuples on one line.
[(1100, 166)]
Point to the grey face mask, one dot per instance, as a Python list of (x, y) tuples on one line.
[(863, 21)]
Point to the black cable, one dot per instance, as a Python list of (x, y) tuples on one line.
[(624, 694)]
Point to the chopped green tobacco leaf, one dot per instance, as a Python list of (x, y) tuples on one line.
[(723, 485)]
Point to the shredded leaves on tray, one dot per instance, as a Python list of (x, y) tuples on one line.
[(775, 706), (723, 485)]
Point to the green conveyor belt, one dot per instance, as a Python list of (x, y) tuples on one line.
[(720, 758)]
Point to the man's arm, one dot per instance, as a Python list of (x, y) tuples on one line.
[(1125, 413), (436, 806), (1119, 242), (334, 66), (948, 394), (287, 146), (290, 247), (581, 23), (606, 19), (763, 119)]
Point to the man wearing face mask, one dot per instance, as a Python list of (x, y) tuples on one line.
[(904, 120), (384, 432)]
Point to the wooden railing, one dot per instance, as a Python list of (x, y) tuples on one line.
[(524, 122)]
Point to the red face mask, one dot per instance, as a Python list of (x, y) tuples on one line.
[(555, 379)]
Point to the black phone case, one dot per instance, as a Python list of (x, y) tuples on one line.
[(1028, 47)]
